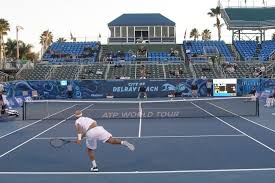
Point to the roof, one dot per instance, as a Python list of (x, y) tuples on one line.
[(249, 18), (147, 19)]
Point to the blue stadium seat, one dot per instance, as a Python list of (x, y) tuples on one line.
[(72, 52), (198, 48)]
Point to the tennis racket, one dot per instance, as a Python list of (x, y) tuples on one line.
[(58, 143)]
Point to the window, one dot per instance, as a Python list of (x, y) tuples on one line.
[(164, 31), (112, 31), (117, 31), (171, 32), (131, 32), (158, 31), (151, 31), (123, 32)]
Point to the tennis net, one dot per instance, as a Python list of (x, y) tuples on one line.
[(190, 108)]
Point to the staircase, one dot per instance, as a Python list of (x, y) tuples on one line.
[(234, 51), (258, 50), (103, 51), (218, 70)]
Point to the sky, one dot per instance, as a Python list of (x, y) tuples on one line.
[(86, 19)]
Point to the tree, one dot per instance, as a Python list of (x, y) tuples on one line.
[(4, 28), (61, 40), (24, 50), (216, 12), (46, 39), (273, 36), (32, 56), (206, 35), (11, 48), (194, 34)]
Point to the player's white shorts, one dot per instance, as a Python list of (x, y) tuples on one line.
[(95, 134)]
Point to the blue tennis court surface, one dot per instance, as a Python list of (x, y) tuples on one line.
[(214, 149)]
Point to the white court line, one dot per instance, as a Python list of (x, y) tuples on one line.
[(242, 117), (151, 137), (138, 172), (2, 155), (235, 128), (35, 122), (140, 119)]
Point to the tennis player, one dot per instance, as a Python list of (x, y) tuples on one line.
[(88, 127), (142, 91)]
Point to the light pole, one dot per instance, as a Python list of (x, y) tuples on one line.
[(17, 41)]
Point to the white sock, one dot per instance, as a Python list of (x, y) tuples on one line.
[(94, 163), (122, 142)]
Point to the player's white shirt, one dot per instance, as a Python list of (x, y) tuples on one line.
[(84, 123)]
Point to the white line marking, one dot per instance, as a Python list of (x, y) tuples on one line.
[(140, 120), (34, 122), (2, 155), (138, 172), (242, 117), (235, 128), (151, 137)]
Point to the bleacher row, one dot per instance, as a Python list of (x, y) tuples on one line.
[(91, 60), (107, 71), (195, 51), (207, 48), (152, 71), (72, 51)]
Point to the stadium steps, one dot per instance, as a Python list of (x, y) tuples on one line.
[(164, 71), (234, 51), (218, 71), (49, 74), (258, 51), (80, 68), (103, 52), (98, 56), (191, 67)]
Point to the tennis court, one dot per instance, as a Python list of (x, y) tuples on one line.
[(215, 139)]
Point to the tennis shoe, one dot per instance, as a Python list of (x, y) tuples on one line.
[(273, 114), (94, 169), (129, 145)]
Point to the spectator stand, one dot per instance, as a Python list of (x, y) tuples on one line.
[(72, 52)]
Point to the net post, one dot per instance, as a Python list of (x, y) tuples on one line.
[(24, 110), (47, 108), (257, 107)]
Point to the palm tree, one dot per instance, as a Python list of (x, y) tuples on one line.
[(194, 34), (4, 28), (32, 56), (61, 40), (206, 35), (46, 39), (24, 50), (11, 48), (216, 12), (273, 36)]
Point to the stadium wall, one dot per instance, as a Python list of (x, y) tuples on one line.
[(95, 89)]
